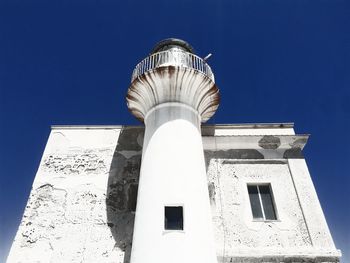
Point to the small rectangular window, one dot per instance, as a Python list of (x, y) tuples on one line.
[(261, 201), (173, 219)]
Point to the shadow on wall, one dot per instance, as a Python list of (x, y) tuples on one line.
[(122, 187), (124, 177)]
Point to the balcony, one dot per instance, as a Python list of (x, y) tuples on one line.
[(172, 57)]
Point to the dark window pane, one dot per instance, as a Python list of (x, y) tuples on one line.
[(132, 197), (266, 198), (255, 202), (173, 218)]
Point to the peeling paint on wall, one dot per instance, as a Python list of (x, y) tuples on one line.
[(75, 163), (270, 142)]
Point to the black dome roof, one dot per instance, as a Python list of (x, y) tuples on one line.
[(170, 43)]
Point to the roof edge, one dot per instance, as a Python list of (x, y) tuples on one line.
[(217, 126)]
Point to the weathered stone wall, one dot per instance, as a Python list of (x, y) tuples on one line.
[(81, 207), (241, 232)]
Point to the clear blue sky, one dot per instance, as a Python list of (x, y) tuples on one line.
[(70, 62)]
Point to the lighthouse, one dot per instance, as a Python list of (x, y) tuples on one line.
[(173, 92), (173, 190)]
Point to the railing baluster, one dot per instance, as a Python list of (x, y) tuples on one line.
[(178, 57)]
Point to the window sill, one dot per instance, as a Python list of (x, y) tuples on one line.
[(266, 221), (173, 231)]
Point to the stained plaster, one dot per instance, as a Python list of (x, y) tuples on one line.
[(81, 207)]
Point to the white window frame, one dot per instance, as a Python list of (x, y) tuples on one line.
[(261, 203)]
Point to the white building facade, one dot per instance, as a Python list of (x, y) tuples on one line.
[(174, 191)]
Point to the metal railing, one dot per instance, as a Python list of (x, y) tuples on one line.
[(172, 58)]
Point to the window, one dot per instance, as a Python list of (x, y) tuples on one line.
[(173, 219), (261, 201)]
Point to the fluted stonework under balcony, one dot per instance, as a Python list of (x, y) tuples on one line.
[(172, 73)]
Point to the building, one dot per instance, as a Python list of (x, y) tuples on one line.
[(210, 193)]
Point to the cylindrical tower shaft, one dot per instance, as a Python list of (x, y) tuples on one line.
[(173, 175), (173, 220)]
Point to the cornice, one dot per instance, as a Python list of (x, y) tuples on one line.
[(228, 126), (264, 142)]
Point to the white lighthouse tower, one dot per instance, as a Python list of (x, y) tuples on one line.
[(172, 92), (220, 193)]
